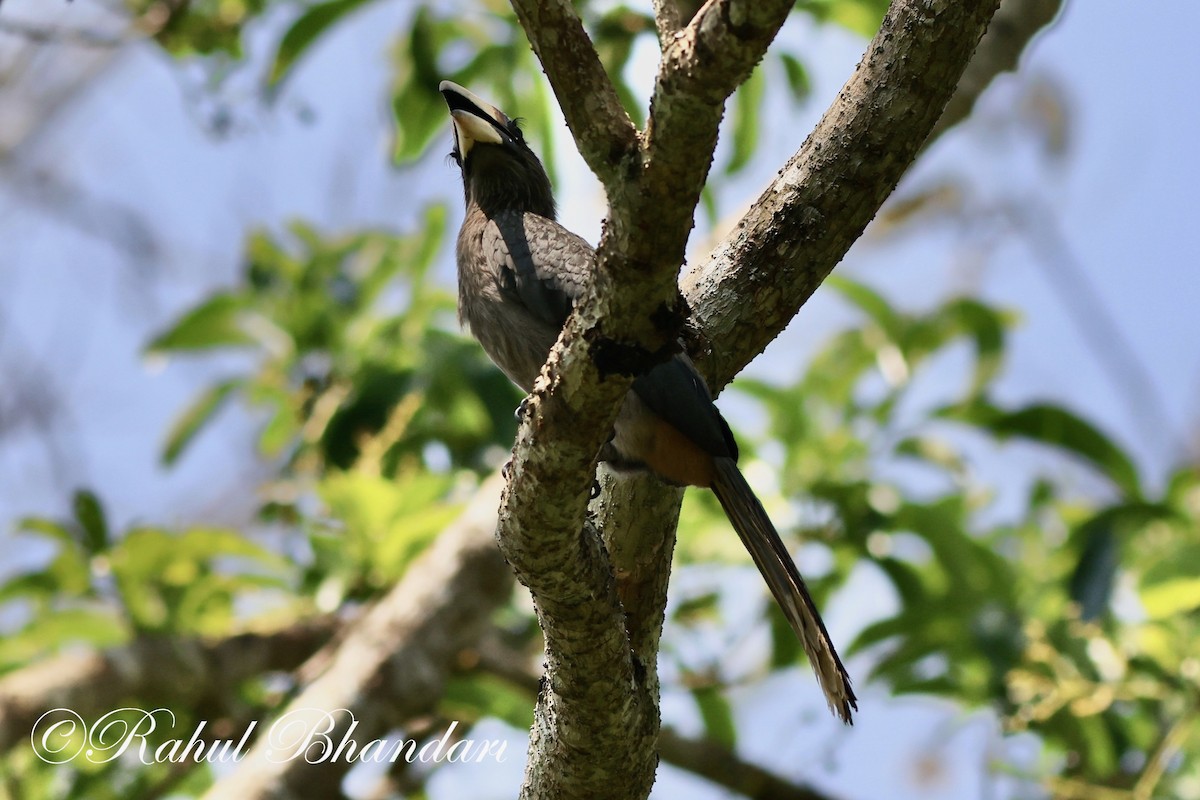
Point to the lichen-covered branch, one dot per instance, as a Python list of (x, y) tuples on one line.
[(807, 218), (604, 133), (597, 719)]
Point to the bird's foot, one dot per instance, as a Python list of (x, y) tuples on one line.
[(522, 407)]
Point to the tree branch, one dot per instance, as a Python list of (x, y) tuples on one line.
[(807, 218), (161, 669), (709, 760), (597, 718), (606, 137), (1010, 32), (668, 20), (49, 34), (700, 69), (392, 663), (594, 724), (722, 766)]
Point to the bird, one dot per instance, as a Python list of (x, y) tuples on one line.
[(520, 274)]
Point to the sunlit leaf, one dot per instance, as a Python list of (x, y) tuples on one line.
[(747, 110), (214, 323), (90, 516), (315, 21), (860, 16), (193, 419), (1172, 586), (56, 629), (477, 696), (1055, 426), (716, 714)]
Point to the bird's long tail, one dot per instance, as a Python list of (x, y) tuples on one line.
[(754, 527)]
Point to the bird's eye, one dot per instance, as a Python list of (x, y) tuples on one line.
[(455, 157)]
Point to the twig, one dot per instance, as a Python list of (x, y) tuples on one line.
[(823, 198), (1009, 34), (606, 136), (50, 34), (1110, 347), (153, 668)]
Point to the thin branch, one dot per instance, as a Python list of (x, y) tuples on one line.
[(1009, 34), (606, 137), (722, 766), (823, 198), (700, 69), (169, 670), (50, 34), (392, 663), (1160, 758), (668, 19), (1077, 293)]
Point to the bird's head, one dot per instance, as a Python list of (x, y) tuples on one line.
[(499, 170)]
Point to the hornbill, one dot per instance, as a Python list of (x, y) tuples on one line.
[(519, 275)]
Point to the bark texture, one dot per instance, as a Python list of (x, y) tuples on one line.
[(597, 717), (601, 629), (820, 202)]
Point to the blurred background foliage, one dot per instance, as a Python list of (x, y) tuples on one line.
[(1074, 620)]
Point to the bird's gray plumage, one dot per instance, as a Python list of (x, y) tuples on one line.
[(520, 274)]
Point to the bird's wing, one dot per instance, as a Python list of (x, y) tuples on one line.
[(675, 391), (544, 267), (541, 264)]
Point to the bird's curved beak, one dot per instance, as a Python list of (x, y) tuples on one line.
[(474, 120)]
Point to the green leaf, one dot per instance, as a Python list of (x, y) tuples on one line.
[(747, 107), (859, 16), (785, 647), (717, 715), (797, 76), (388, 521), (51, 631), (417, 106), (188, 582), (214, 323), (1172, 586), (304, 31), (90, 515), (1099, 539), (1092, 580), (870, 302), (694, 609), (48, 528), (986, 326), (1055, 426), (475, 696), (195, 417)]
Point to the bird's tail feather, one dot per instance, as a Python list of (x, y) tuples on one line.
[(777, 568)]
